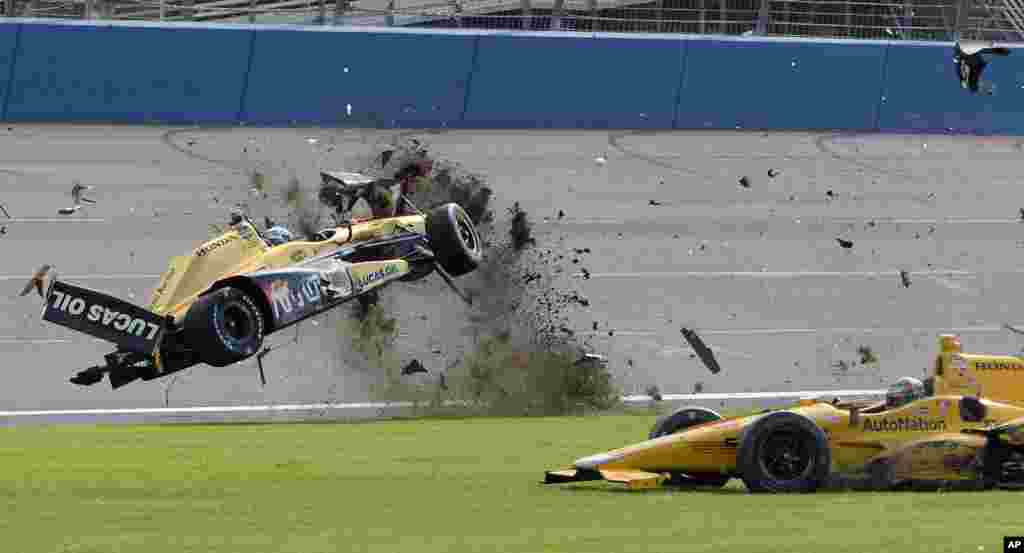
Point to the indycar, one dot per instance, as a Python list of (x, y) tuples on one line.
[(216, 305), (953, 437)]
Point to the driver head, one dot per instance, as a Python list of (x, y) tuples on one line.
[(278, 235)]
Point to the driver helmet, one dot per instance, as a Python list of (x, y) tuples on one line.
[(903, 391), (278, 235)]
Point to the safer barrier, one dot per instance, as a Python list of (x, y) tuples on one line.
[(394, 78)]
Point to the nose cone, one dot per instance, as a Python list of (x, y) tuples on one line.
[(594, 461)]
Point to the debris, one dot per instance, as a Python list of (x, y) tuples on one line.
[(744, 182), (561, 214), (77, 198), (847, 244), (413, 367), (772, 173), (905, 279), (653, 392), (600, 160), (867, 355), (37, 281), (702, 350), (585, 272), (654, 202), (698, 387), (830, 194)]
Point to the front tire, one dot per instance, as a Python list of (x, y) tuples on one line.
[(454, 239), (680, 420), (225, 327), (784, 452)]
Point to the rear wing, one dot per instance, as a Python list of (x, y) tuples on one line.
[(129, 326)]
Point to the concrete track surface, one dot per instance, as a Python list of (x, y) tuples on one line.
[(757, 271)]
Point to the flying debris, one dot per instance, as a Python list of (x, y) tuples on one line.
[(772, 173), (654, 202), (561, 214), (702, 350), (600, 160), (970, 64), (39, 281), (744, 182), (905, 279), (77, 199), (413, 367), (847, 244)]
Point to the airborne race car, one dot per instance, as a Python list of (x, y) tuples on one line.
[(216, 305), (952, 437)]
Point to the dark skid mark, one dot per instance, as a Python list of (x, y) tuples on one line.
[(613, 141)]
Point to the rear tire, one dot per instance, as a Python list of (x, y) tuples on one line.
[(454, 239), (784, 452), (679, 421), (224, 327)]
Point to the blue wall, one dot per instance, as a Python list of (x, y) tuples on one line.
[(279, 75)]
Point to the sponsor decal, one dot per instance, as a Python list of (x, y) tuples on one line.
[(298, 255), (336, 280), (216, 244), (123, 322), (904, 424), (998, 366), (104, 317), (288, 303), (369, 278)]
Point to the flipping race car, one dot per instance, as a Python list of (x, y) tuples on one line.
[(968, 57), (948, 436), (216, 305)]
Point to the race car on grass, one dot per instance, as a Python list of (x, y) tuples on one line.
[(216, 305), (949, 436)]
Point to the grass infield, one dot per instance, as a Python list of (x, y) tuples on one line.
[(434, 485)]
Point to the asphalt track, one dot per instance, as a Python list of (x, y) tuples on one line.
[(770, 290)]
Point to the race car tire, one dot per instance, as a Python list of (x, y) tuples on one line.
[(783, 452), (224, 327), (454, 239), (678, 421)]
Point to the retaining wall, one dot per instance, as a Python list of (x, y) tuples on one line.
[(86, 71)]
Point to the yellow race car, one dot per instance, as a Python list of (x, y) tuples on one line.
[(216, 305), (951, 436)]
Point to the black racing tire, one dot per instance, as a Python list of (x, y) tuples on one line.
[(454, 239), (881, 475), (783, 452), (224, 327), (678, 421)]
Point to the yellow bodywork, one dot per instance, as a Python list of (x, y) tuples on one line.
[(241, 250), (923, 437)]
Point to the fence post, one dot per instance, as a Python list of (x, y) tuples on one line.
[(558, 13), (963, 11), (660, 7), (703, 10), (592, 14), (340, 7)]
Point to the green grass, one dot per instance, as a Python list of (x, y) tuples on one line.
[(427, 486)]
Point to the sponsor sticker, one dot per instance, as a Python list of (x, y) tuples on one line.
[(366, 279), (904, 424), (104, 317), (1013, 544), (206, 249)]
